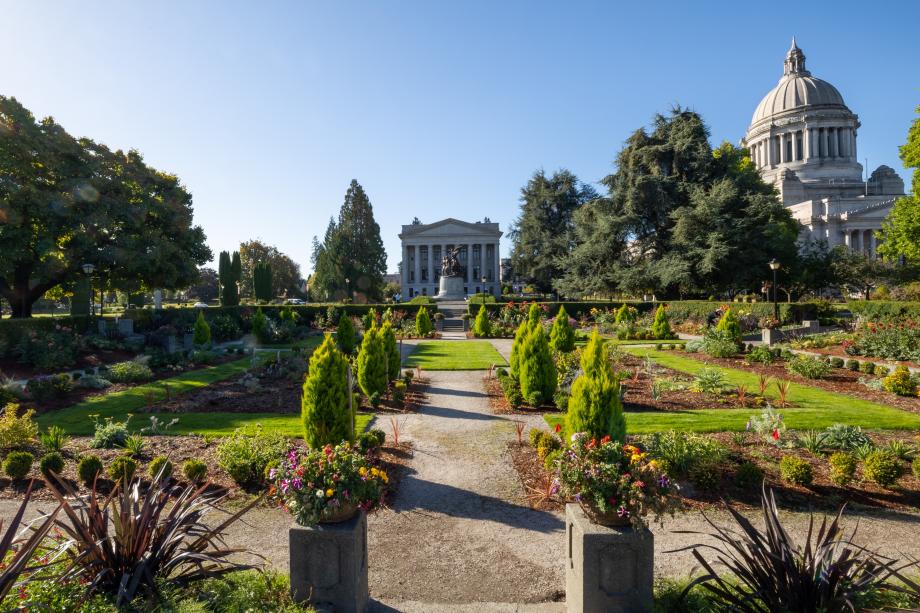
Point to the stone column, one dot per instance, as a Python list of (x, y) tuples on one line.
[(806, 143), (496, 263), (853, 152), (418, 268)]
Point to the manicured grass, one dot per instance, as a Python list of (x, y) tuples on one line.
[(76, 420), (815, 408), (454, 355), (624, 343)]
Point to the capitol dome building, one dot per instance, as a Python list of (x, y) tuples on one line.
[(802, 139)]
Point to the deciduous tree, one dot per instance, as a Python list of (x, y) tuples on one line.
[(900, 235)]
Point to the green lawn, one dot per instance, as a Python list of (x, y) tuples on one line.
[(76, 420), (815, 408), (624, 343), (454, 355)]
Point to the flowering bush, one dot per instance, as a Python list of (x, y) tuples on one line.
[(896, 340), (613, 479), (50, 349), (326, 484), (769, 425)]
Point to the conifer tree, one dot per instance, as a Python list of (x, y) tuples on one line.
[(202, 331), (533, 315), (372, 368), (481, 327), (324, 405), (562, 336), (537, 369), (730, 324), (422, 322), (519, 335), (262, 281), (594, 406), (661, 327), (370, 318), (391, 348), (229, 277), (345, 334)]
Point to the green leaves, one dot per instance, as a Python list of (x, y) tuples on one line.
[(324, 406)]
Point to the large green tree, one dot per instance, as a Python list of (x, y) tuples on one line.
[(679, 218), (352, 260), (286, 278), (543, 236), (66, 202), (900, 235)]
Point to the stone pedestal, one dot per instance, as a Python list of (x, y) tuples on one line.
[(451, 288), (329, 564), (607, 569)]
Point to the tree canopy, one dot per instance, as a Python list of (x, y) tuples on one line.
[(679, 218), (900, 235), (351, 260), (285, 272), (66, 202), (543, 236)]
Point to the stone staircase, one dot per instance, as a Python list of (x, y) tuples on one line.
[(452, 324)]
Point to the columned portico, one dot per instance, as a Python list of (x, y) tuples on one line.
[(425, 245)]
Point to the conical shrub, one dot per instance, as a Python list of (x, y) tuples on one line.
[(345, 334), (562, 336), (391, 349), (324, 406), (202, 335), (661, 327), (594, 406), (422, 322), (372, 368), (730, 324), (515, 362), (538, 371), (481, 327)]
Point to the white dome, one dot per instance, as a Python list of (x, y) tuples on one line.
[(797, 89)]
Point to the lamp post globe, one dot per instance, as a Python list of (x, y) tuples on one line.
[(774, 266)]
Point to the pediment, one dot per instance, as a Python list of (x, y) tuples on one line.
[(451, 227)]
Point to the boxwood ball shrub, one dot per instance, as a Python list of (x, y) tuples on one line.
[(882, 468), (748, 475), (837, 362), (867, 368), (843, 468), (158, 464), (122, 468), (18, 464), (88, 468), (345, 334), (129, 372), (324, 404), (795, 470), (852, 365), (881, 370), (194, 470), (51, 463)]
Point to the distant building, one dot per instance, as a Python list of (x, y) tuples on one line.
[(424, 246), (391, 278), (802, 139)]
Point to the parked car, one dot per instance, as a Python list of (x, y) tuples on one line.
[(295, 301), (199, 305)]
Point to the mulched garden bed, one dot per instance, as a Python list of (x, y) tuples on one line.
[(838, 351), (500, 405), (822, 495), (840, 380)]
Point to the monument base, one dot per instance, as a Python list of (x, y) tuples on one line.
[(451, 288), (607, 569)]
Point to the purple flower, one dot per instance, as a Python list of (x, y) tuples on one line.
[(663, 481), (271, 473), (297, 483), (622, 511)]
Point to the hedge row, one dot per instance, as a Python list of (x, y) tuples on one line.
[(880, 310), (679, 310)]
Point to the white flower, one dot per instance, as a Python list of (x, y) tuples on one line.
[(319, 493)]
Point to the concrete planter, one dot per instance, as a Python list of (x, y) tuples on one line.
[(608, 569), (329, 564)]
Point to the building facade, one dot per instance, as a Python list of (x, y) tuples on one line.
[(802, 139), (425, 245)]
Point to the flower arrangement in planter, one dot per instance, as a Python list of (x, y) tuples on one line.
[(327, 485), (615, 483)]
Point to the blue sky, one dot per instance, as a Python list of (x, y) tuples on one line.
[(266, 110)]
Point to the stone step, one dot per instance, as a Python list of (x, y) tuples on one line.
[(375, 606)]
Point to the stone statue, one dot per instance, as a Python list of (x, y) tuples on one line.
[(450, 264)]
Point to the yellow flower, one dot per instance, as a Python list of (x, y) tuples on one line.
[(329, 493), (653, 464), (362, 471)]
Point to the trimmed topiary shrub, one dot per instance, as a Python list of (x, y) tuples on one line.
[(730, 324), (594, 405), (538, 371), (371, 364), (88, 467), (345, 335), (202, 336), (158, 464), (882, 468), (51, 463), (129, 372), (391, 350), (852, 365), (482, 328), (837, 362), (562, 336), (324, 404), (795, 470), (748, 475), (18, 464), (881, 371), (194, 470), (661, 327), (122, 467), (843, 468), (808, 367), (423, 322)]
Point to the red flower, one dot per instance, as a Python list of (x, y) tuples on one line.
[(591, 444), (775, 435), (558, 428), (605, 440)]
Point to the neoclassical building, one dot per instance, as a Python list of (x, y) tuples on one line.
[(424, 246), (802, 138)]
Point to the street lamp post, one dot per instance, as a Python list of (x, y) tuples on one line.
[(774, 266), (484, 290), (348, 288), (88, 270)]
